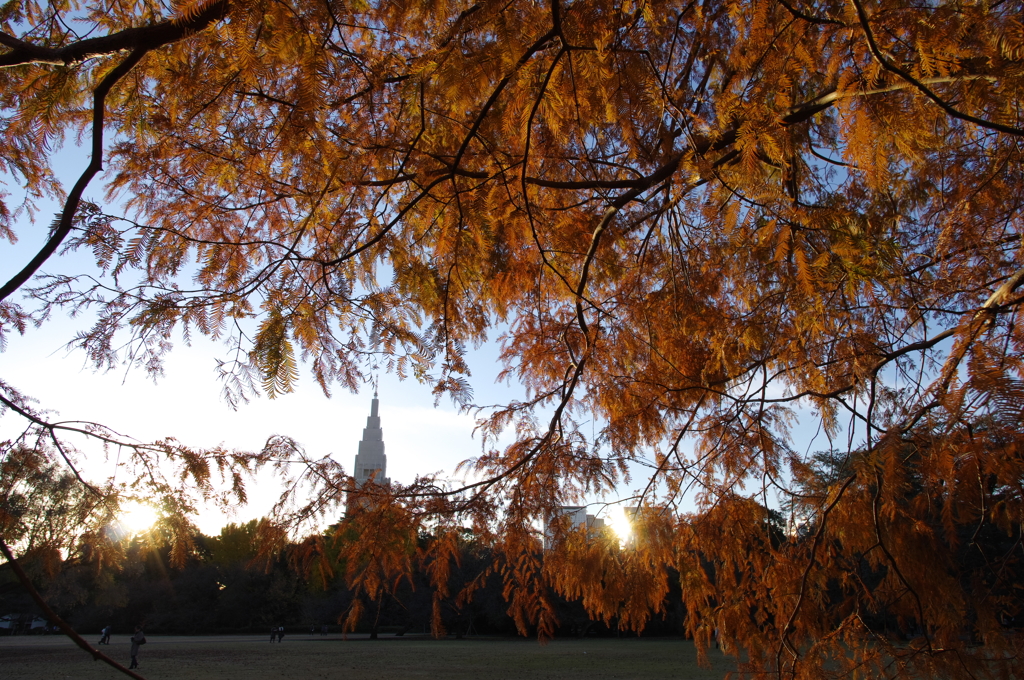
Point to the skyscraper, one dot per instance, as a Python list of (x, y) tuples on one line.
[(371, 463)]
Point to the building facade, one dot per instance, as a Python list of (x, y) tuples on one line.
[(578, 519), (371, 463)]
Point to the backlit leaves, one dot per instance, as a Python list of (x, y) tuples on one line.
[(699, 229), (274, 356)]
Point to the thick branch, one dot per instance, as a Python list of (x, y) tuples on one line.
[(67, 215), (806, 110), (52, 616), (140, 38)]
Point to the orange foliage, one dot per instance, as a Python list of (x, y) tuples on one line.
[(688, 220)]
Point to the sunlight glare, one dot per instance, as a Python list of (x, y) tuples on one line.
[(620, 523), (136, 517)]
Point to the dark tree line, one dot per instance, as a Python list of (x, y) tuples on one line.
[(228, 586)]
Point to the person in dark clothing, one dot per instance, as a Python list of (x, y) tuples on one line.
[(138, 640), (280, 633), (273, 633), (105, 636)]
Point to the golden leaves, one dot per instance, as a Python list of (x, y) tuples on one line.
[(633, 580), (781, 225), (273, 355), (1010, 40)]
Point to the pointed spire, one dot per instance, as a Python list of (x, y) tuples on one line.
[(370, 460)]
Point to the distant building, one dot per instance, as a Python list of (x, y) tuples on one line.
[(371, 463), (578, 519)]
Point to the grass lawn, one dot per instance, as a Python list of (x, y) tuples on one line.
[(252, 658)]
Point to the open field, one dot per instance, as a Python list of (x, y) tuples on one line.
[(304, 658)]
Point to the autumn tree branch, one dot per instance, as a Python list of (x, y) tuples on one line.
[(51, 428), (145, 38), (140, 41), (888, 65), (67, 215), (802, 594), (26, 583), (792, 9)]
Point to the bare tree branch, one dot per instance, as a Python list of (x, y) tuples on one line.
[(52, 616)]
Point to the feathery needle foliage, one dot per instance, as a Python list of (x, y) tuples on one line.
[(692, 221)]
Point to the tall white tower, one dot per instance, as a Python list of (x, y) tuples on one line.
[(371, 461)]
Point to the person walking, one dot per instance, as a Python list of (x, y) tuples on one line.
[(273, 633), (138, 639), (280, 633), (105, 636)]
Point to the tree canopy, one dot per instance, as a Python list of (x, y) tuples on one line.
[(690, 223)]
